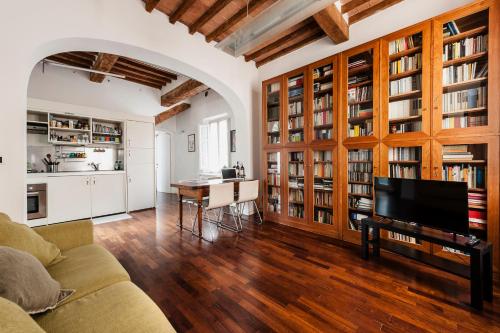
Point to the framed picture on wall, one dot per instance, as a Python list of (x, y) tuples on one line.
[(232, 140), (191, 143)]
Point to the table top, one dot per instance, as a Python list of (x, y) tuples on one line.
[(194, 184)]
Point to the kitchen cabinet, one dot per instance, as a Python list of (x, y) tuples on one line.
[(108, 194), (141, 186), (138, 156), (69, 198), (140, 134)]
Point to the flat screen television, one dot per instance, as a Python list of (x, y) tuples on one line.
[(430, 203)]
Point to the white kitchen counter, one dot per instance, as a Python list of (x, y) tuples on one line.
[(33, 178)]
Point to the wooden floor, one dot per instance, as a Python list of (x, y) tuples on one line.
[(275, 278)]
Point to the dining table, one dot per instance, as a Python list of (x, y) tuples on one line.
[(198, 189)]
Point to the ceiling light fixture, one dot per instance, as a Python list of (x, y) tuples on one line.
[(279, 17), (58, 64)]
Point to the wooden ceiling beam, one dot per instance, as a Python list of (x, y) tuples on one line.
[(291, 48), (171, 112), (348, 6), (138, 65), (185, 90), (183, 7), (151, 5), (103, 63), (73, 59), (67, 61), (141, 72), (83, 56), (253, 5), (144, 83), (208, 15), (136, 76), (372, 10), (333, 24), (300, 31)]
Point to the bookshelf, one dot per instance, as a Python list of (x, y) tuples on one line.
[(271, 107), (472, 160), (361, 93), (465, 95), (272, 183), (405, 82), (295, 106), (324, 84), (323, 187), (409, 159), (295, 185)]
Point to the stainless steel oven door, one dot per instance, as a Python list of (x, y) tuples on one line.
[(37, 201)]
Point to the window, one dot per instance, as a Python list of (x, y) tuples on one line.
[(214, 147)]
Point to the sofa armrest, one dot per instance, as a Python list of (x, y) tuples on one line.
[(68, 235)]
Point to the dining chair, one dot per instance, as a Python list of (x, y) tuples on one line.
[(219, 197), (248, 193)]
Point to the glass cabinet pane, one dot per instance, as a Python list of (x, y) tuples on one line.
[(296, 108), (273, 113), (359, 186), (273, 182), (323, 102), (296, 184), (323, 187)]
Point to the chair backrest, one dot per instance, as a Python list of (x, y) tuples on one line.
[(248, 191), (220, 195), (228, 173)]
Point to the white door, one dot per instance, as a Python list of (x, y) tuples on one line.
[(68, 198), (141, 186), (108, 194), (163, 162), (140, 134)]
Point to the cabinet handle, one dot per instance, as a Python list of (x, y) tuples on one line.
[(128, 142), (129, 180), (93, 180), (87, 181)]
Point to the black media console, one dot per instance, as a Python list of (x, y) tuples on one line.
[(479, 272)]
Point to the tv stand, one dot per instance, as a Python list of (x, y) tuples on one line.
[(479, 272)]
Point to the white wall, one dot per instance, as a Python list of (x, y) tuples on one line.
[(186, 163), (32, 30)]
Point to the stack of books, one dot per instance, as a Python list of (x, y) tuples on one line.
[(477, 219), (457, 152), (357, 63), (477, 199)]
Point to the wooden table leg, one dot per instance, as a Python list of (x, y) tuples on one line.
[(376, 241), (200, 219), (364, 240), (180, 210)]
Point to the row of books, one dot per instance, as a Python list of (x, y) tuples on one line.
[(323, 198), (357, 63), (296, 182), (323, 170), (407, 127), (323, 216), (296, 122), (323, 134), (464, 72), (355, 220), (465, 121), (405, 43), (323, 118), (296, 196), (296, 211), (406, 63), (274, 179), (322, 103), (359, 94), (404, 154), (465, 99), (360, 176), (274, 207), (465, 47), (359, 189), (273, 113), (475, 176), (295, 92), (359, 167), (405, 108), (322, 72), (296, 137), (323, 184), (296, 157), (402, 171), (361, 129), (402, 238), (296, 81), (364, 204), (450, 29), (322, 156), (273, 194), (273, 157), (295, 108), (360, 155), (405, 85), (358, 110), (272, 139), (322, 87), (477, 199), (296, 169), (358, 78), (273, 87)]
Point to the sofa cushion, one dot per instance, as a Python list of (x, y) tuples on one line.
[(25, 281), (87, 269), (15, 319), (21, 237), (121, 307)]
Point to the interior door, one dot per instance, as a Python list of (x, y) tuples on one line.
[(69, 198), (108, 194), (163, 162)]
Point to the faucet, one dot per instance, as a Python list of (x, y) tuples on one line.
[(94, 166)]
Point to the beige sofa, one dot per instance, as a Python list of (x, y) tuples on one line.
[(105, 299)]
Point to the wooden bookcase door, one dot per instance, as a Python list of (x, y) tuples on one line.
[(356, 161), (273, 184), (360, 74), (295, 107), (272, 115), (405, 83), (323, 207), (406, 159), (475, 160), (295, 189), (479, 116), (323, 101)]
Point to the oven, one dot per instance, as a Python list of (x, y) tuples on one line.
[(37, 201)]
